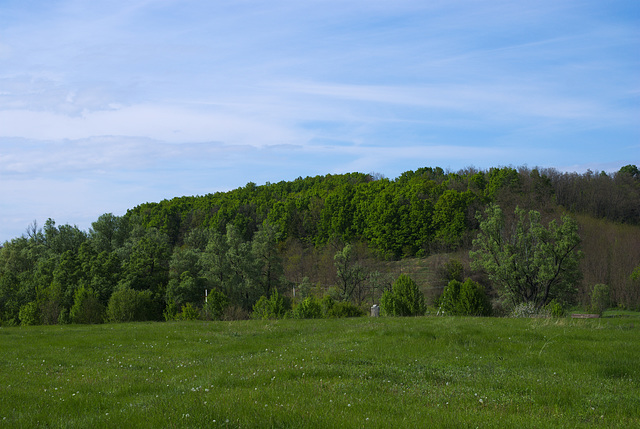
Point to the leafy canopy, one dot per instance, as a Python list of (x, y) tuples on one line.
[(404, 299), (526, 261)]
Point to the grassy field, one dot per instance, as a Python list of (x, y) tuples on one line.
[(361, 373)]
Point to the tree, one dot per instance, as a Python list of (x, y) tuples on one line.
[(229, 266), (631, 170), (268, 262), (351, 274), (87, 308), (465, 299), (129, 305), (526, 261), (404, 299), (274, 307)]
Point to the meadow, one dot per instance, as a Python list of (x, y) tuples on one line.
[(360, 373)]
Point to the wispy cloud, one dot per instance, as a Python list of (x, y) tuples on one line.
[(109, 104)]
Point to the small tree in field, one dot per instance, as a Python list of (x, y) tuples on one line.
[(465, 299), (526, 261), (404, 298)]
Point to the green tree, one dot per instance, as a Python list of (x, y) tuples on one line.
[(229, 267), (465, 299), (215, 305), (404, 299), (450, 216), (29, 314), (268, 262), (528, 262), (274, 307), (351, 274), (129, 305), (308, 308), (108, 232), (87, 308), (630, 169)]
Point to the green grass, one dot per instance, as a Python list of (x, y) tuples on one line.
[(621, 313), (361, 373)]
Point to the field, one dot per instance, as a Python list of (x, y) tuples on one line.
[(361, 373)]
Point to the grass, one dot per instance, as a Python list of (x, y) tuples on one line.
[(361, 373)]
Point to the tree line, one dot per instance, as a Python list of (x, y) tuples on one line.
[(327, 232)]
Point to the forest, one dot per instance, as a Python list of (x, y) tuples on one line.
[(331, 245)]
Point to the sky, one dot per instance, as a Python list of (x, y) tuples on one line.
[(105, 105)]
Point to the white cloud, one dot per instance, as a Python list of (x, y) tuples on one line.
[(120, 102)]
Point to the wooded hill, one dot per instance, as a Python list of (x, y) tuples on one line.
[(281, 235)]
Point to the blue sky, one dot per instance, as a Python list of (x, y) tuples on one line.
[(108, 104)]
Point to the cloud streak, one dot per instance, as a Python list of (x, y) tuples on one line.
[(107, 105)]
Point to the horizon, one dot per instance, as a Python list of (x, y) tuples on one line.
[(104, 107)]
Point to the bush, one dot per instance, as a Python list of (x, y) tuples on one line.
[(404, 299), (309, 308), (170, 311), (599, 298), (29, 314), (327, 304), (464, 299), (87, 308), (217, 303), (235, 312), (129, 305), (555, 309), (63, 317), (189, 312), (451, 270), (528, 309), (274, 307), (50, 312), (345, 309)]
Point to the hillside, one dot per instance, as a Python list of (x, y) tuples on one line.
[(255, 240)]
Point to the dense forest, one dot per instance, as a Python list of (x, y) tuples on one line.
[(344, 236)]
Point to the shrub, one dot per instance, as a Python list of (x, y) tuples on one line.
[(304, 288), (129, 305), (87, 308), (404, 299), (451, 270), (63, 317), (189, 312), (555, 309), (599, 298), (465, 299), (528, 309), (309, 308), (29, 314), (274, 307), (217, 303), (345, 309), (235, 312), (50, 312), (170, 311), (327, 304)]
